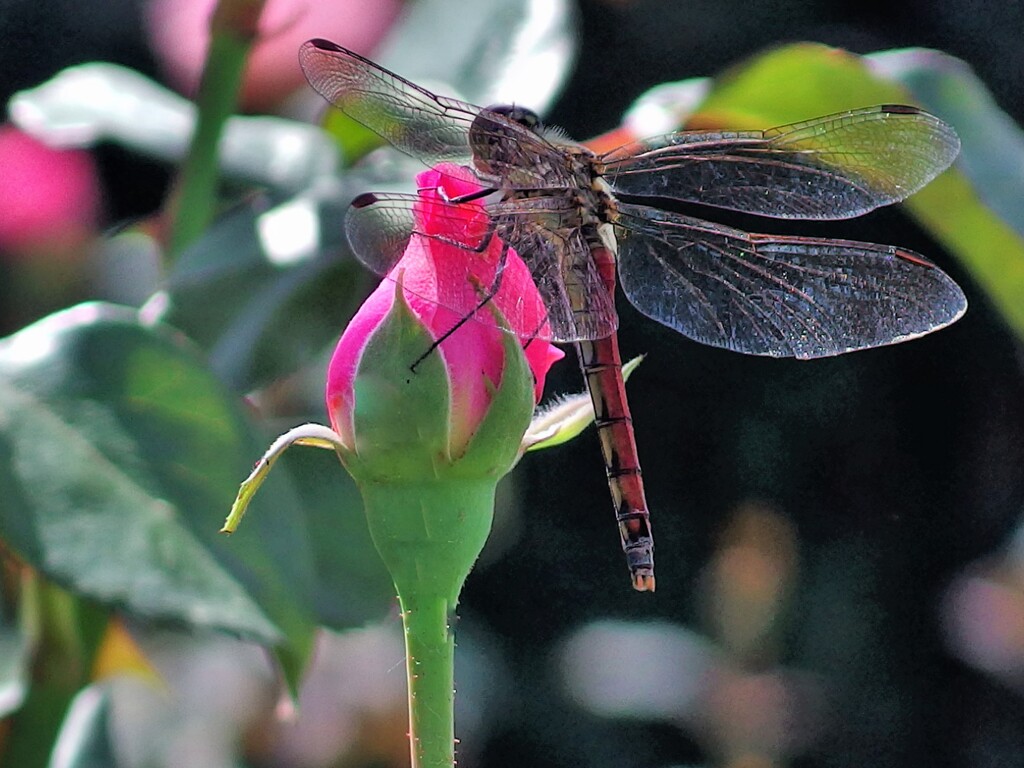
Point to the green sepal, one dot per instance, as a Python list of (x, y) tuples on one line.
[(400, 416), (429, 512), (429, 534), (494, 447)]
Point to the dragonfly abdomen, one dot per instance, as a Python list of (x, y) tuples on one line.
[(602, 370)]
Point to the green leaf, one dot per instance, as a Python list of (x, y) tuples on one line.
[(101, 103), (983, 224), (794, 82), (354, 138), (120, 455), (352, 584), (34, 727), (259, 319), (14, 664), (506, 51), (62, 634), (800, 81), (84, 738)]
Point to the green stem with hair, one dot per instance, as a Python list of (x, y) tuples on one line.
[(429, 535)]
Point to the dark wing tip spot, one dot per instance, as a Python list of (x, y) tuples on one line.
[(365, 200), (900, 109), (324, 45)]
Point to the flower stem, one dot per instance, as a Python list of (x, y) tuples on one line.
[(430, 534), (430, 663), (233, 27)]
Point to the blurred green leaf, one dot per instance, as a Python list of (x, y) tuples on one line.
[(794, 82), (122, 455), (952, 211), (84, 738), (352, 584), (353, 137), (988, 224), (258, 319), (64, 633), (992, 144), (490, 51), (97, 103), (14, 662), (805, 80), (35, 726)]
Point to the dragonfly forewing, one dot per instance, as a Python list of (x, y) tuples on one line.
[(426, 126), (429, 127)]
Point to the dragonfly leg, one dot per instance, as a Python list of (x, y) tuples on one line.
[(483, 245), (468, 198), (486, 294)]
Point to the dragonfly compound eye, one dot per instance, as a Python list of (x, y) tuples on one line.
[(495, 136), (525, 117)]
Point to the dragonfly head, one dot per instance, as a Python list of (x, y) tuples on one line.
[(495, 133)]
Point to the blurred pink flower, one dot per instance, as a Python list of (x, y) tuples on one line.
[(179, 32), (984, 619), (474, 355), (49, 198)]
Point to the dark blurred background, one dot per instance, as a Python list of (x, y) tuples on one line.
[(891, 471), (834, 536)]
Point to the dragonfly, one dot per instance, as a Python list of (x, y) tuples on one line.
[(584, 221)]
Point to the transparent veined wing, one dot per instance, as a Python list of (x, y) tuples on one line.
[(381, 227), (427, 126), (832, 167), (774, 295)]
